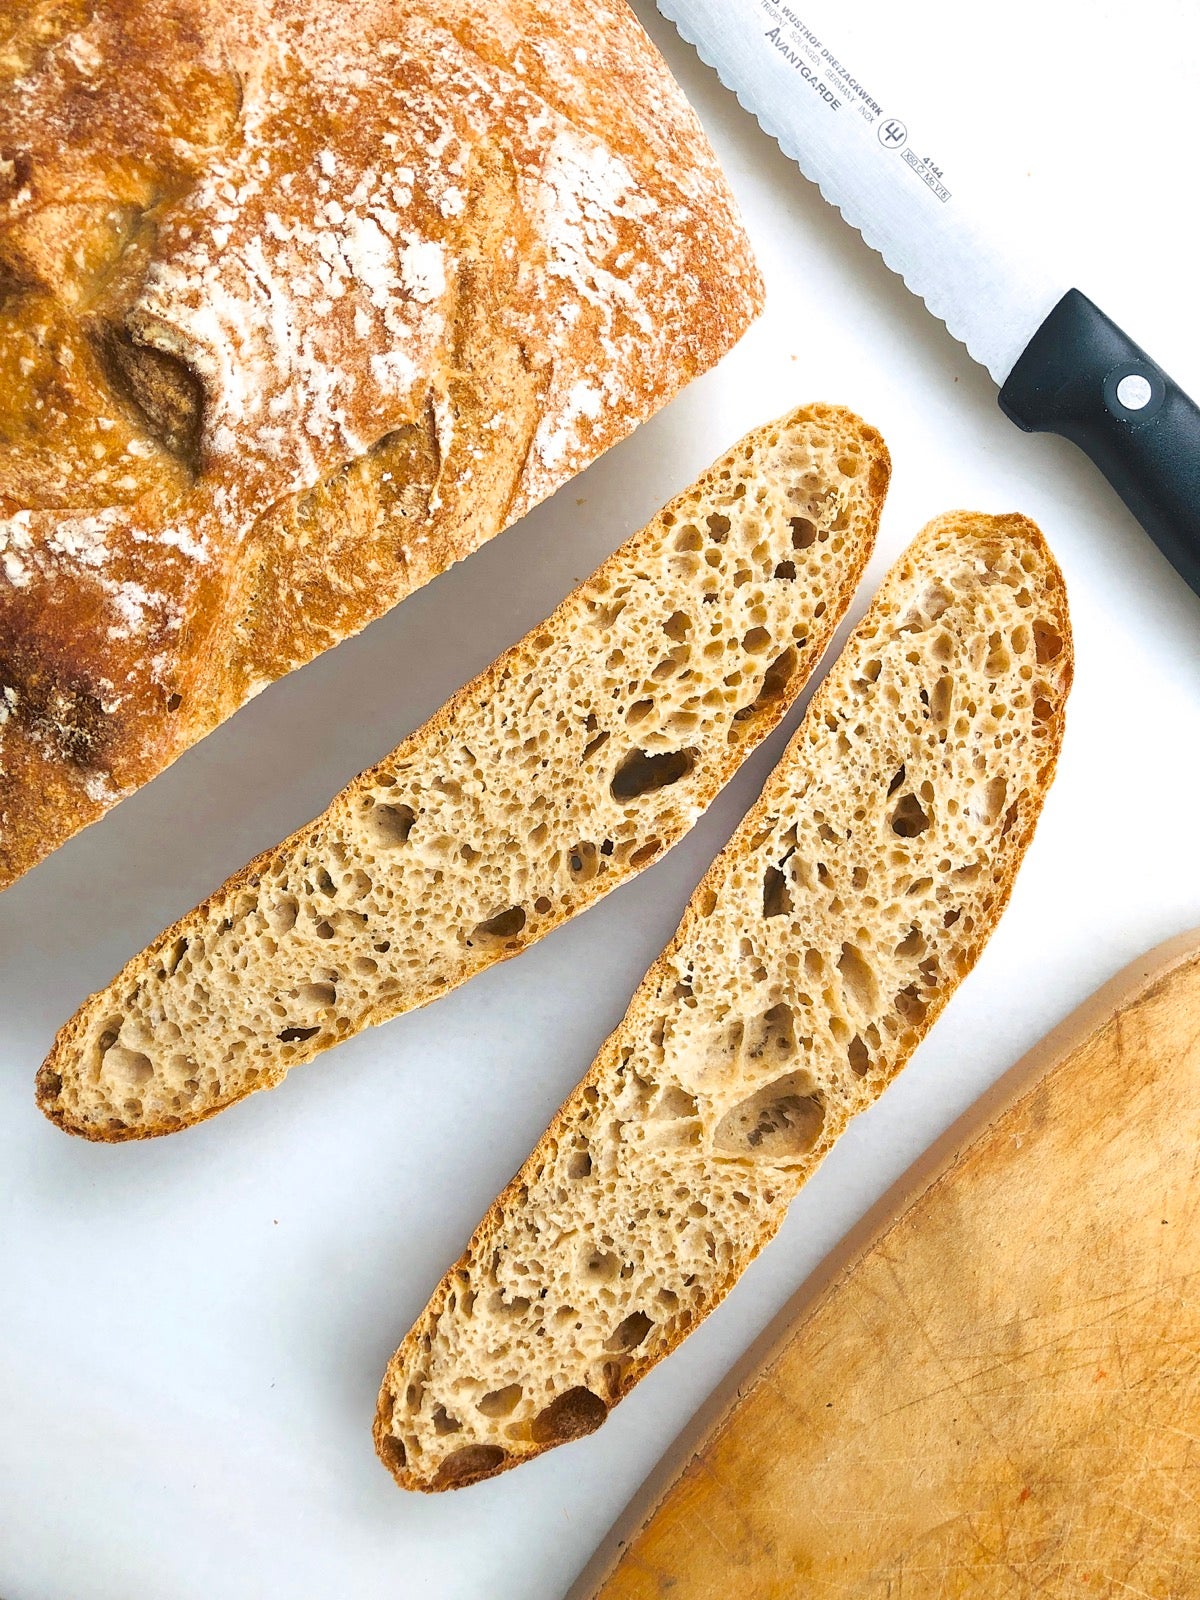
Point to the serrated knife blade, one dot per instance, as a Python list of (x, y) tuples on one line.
[(1061, 364)]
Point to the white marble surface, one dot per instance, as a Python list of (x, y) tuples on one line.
[(192, 1331)]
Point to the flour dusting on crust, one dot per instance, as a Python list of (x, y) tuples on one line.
[(299, 304)]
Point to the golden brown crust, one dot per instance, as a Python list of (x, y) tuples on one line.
[(827, 428), (1013, 529), (298, 305)]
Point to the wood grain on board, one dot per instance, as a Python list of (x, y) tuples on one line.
[(995, 1388)]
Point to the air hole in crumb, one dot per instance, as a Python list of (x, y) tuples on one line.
[(601, 1265), (542, 905), (786, 569), (595, 743), (941, 700), (318, 995), (989, 806), (296, 1035), (503, 925), (641, 773), (774, 685), (756, 641), (645, 853), (860, 1058), (174, 701), (909, 818), (676, 1103), (910, 1005), (677, 626), (629, 1333), (394, 1455), (282, 914), (443, 1422), (896, 782), (127, 1069), (804, 532), (858, 978), (579, 1164), (718, 527), (466, 1465), (583, 862), (501, 1402), (1047, 642), (574, 1413), (389, 825), (638, 712), (779, 1122), (772, 1035), (777, 898)]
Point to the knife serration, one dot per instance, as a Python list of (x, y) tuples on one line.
[(849, 136)]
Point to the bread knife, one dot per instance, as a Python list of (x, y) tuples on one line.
[(1062, 365)]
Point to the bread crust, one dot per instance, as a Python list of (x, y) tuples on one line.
[(816, 430), (299, 304), (953, 527)]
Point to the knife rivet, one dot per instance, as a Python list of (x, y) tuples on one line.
[(1134, 391)]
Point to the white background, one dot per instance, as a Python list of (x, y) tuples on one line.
[(192, 1331)]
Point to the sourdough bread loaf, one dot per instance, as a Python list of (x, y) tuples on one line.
[(810, 962), (301, 302), (573, 762)]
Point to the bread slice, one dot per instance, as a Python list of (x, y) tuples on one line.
[(575, 760), (811, 961)]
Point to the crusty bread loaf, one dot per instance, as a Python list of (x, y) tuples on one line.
[(574, 761), (812, 959), (300, 302)]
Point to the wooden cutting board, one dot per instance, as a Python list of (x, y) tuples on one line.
[(995, 1387)]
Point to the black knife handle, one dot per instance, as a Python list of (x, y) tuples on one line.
[(1081, 377)]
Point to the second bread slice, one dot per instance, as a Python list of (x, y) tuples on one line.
[(576, 759)]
